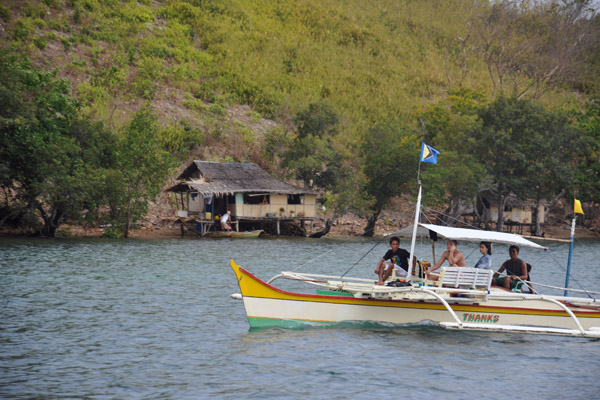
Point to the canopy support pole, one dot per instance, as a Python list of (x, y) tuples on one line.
[(414, 235)]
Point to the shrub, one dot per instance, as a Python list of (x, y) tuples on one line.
[(66, 43), (206, 92), (136, 13), (5, 13), (34, 11), (217, 109), (40, 42), (23, 29), (180, 139), (194, 104)]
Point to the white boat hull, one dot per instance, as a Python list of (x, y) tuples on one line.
[(267, 306), (408, 313)]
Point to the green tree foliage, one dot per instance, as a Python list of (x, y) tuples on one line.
[(526, 150), (49, 153), (587, 176), (140, 171), (390, 161), (59, 164), (312, 154), (458, 175), (319, 119)]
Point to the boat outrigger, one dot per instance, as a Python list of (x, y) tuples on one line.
[(461, 298)]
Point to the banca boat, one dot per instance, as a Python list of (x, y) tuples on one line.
[(234, 234), (462, 297)]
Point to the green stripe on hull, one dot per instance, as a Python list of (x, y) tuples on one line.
[(333, 293), (257, 323)]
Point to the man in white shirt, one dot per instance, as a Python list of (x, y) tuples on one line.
[(225, 221)]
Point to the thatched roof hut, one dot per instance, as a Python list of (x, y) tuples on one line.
[(245, 190), (208, 177)]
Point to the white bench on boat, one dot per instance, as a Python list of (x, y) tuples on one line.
[(466, 277)]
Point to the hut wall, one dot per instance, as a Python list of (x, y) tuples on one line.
[(195, 203), (277, 203), (523, 215)]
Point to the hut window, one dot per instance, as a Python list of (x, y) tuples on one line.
[(294, 199), (251, 198)]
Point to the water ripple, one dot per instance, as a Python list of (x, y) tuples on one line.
[(104, 319)]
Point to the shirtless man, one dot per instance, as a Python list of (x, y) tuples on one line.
[(454, 256)]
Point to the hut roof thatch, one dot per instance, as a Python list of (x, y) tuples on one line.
[(208, 177)]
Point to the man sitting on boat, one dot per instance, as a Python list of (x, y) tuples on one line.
[(398, 259), (516, 271), (454, 256)]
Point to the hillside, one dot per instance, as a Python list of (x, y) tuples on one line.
[(228, 80), (195, 62)]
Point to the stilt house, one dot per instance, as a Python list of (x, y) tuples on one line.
[(516, 212), (207, 189)]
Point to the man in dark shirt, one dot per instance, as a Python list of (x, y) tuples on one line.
[(396, 256), (516, 271)]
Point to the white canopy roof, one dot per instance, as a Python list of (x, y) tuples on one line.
[(472, 235)]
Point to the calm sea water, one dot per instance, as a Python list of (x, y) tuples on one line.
[(152, 319)]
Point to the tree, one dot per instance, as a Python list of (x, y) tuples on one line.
[(140, 171), (525, 149), (50, 154), (312, 155), (457, 178), (587, 175), (390, 161), (531, 47), (551, 150)]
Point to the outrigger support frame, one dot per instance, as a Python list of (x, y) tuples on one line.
[(593, 332)]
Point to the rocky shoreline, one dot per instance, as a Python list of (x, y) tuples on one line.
[(345, 227)]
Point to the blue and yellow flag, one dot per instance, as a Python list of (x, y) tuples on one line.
[(428, 153)]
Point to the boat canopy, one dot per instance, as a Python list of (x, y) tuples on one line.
[(472, 235)]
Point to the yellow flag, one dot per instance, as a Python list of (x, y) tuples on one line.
[(577, 209)]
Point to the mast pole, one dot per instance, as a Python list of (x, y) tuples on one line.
[(414, 234), (570, 254)]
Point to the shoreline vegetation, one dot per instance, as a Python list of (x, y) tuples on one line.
[(102, 102)]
